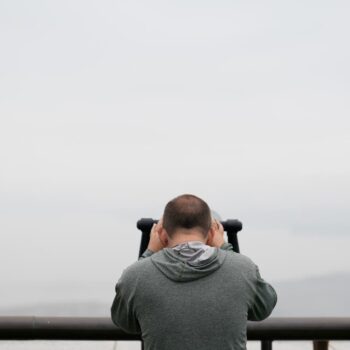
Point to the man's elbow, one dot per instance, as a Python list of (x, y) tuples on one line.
[(113, 317), (263, 307), (115, 313)]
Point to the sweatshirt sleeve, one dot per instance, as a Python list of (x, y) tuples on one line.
[(264, 295), (123, 311), (264, 300)]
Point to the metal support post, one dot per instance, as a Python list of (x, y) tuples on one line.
[(266, 345), (321, 344)]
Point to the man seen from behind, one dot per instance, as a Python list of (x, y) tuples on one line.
[(190, 290)]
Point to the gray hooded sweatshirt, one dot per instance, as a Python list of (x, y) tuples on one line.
[(192, 297)]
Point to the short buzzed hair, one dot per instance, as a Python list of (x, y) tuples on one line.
[(187, 211)]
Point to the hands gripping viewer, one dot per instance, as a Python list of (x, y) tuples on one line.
[(189, 289)]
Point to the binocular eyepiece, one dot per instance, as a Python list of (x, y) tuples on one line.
[(231, 226)]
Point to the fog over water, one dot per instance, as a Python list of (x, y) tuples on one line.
[(109, 109)]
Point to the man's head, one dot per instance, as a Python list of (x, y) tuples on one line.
[(187, 212)]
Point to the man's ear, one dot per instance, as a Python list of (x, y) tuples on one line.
[(210, 235), (163, 236)]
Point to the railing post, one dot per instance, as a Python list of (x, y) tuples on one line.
[(320, 344), (266, 345)]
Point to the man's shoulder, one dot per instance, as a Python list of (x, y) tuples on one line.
[(137, 268), (133, 275), (239, 260), (234, 256)]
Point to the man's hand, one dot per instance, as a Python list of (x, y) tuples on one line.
[(216, 237), (155, 244)]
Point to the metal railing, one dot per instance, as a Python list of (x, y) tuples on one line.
[(318, 330)]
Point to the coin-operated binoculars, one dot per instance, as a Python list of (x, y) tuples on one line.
[(231, 226)]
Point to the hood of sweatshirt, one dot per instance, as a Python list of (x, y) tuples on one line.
[(188, 261)]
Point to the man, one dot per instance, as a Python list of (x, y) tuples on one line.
[(190, 290)]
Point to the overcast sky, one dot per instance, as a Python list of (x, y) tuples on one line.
[(111, 108)]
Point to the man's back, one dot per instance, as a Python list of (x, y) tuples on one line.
[(177, 302)]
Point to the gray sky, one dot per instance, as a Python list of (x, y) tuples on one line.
[(109, 109)]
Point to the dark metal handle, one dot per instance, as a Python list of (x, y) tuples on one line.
[(231, 226)]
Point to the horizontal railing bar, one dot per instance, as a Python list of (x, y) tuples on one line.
[(300, 328), (102, 328)]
